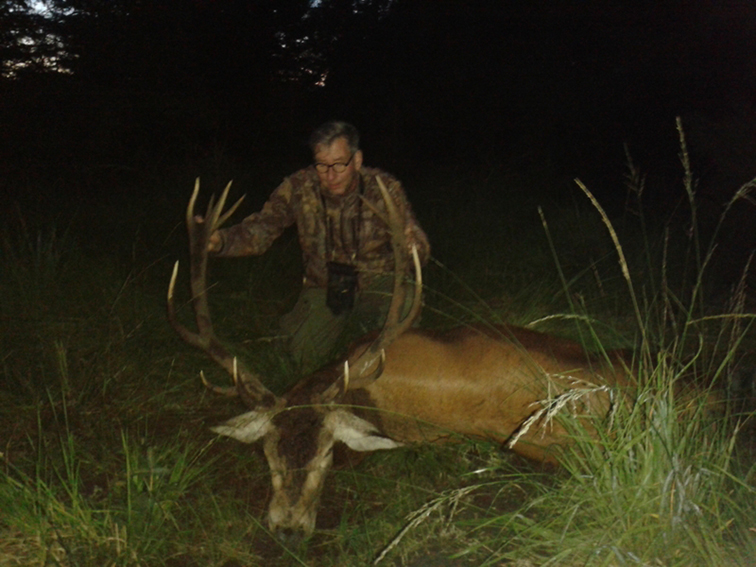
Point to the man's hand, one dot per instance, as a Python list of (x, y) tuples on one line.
[(215, 242)]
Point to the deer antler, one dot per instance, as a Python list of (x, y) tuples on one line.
[(394, 326), (247, 383)]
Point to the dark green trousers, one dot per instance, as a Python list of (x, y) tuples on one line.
[(315, 332)]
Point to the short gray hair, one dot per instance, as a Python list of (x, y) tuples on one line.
[(326, 134)]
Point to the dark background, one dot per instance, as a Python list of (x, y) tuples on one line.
[(106, 99)]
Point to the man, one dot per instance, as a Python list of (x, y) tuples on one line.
[(342, 239)]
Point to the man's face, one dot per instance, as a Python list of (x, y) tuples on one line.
[(337, 153)]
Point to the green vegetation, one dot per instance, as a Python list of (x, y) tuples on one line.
[(106, 457)]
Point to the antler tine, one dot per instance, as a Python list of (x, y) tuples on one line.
[(231, 210), (214, 216), (248, 384), (192, 201)]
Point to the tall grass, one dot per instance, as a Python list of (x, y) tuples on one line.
[(49, 519)]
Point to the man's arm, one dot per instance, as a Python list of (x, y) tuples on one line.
[(254, 235)]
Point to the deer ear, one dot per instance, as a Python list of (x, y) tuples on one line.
[(247, 427), (357, 433)]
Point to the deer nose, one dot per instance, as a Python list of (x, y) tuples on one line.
[(290, 537)]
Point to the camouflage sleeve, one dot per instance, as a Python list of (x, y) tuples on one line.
[(255, 234)]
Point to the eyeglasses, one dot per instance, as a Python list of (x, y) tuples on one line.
[(337, 167)]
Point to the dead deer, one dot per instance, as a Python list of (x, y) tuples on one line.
[(401, 385)]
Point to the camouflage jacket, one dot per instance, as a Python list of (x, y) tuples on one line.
[(357, 235)]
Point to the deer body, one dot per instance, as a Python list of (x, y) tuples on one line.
[(483, 382)]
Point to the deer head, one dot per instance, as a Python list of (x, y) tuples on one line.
[(299, 429)]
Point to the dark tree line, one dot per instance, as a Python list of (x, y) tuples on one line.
[(473, 81)]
